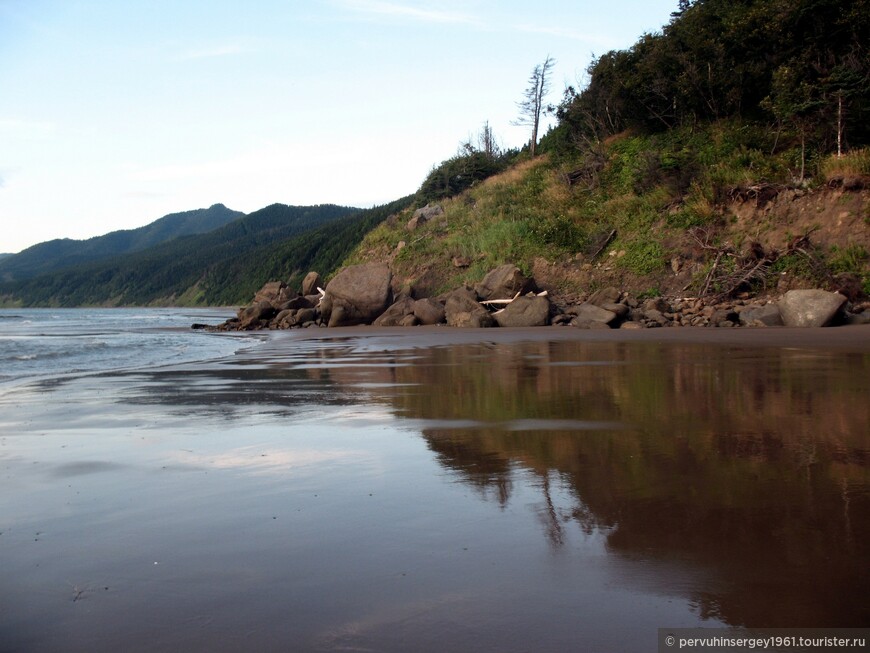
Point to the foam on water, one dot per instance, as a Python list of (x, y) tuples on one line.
[(39, 343)]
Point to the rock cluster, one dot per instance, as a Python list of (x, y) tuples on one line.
[(362, 294)]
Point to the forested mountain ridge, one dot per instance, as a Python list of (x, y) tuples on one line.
[(176, 271), (61, 253)]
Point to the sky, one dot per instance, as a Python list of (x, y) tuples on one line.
[(115, 113)]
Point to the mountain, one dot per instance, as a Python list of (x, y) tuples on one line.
[(57, 254), (178, 271), (322, 249)]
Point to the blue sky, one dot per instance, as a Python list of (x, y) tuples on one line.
[(115, 113)]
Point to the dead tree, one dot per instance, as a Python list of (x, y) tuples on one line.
[(533, 100)]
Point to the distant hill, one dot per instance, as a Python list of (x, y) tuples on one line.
[(182, 270), (61, 253), (321, 249)]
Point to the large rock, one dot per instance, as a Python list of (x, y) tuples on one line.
[(659, 304), (525, 312), (767, 315), (604, 296), (311, 283), (251, 316), (422, 216), (272, 292), (396, 314), (504, 282), (859, 318), (591, 313), (357, 295), (429, 311), (810, 308), (463, 310)]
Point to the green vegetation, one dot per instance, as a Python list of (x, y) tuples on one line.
[(62, 253), (670, 153), (212, 268), (727, 98)]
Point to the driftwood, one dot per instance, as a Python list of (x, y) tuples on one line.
[(490, 303)]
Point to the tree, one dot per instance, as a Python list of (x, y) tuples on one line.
[(533, 103)]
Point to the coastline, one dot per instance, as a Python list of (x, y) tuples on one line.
[(855, 338)]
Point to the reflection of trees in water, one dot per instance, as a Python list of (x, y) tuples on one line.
[(752, 463), (480, 469)]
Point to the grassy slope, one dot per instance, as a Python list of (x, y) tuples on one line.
[(660, 194)]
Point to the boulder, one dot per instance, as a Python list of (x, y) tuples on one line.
[(604, 296), (859, 318), (810, 308), (504, 282), (311, 283), (422, 216), (767, 315), (296, 303), (463, 310), (659, 304), (429, 311), (655, 316), (621, 310), (304, 315), (724, 315), (285, 318), (396, 313), (250, 316), (590, 313), (271, 292), (525, 312), (357, 295)]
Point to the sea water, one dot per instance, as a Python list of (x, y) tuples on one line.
[(435, 489), (37, 343)]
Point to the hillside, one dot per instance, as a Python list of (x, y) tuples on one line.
[(651, 240), (57, 254), (728, 153)]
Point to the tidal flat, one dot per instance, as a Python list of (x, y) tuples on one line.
[(435, 489)]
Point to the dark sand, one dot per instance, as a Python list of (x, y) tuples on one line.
[(435, 489)]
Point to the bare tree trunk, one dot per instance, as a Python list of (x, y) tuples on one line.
[(533, 104), (840, 124)]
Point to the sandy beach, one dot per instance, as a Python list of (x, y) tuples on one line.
[(438, 489)]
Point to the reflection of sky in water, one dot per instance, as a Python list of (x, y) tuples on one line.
[(501, 495)]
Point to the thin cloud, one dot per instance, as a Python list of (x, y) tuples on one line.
[(398, 10), (567, 33)]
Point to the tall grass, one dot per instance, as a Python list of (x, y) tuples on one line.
[(852, 164)]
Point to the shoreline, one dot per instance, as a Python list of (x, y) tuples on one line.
[(855, 338)]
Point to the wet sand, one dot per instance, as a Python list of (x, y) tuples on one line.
[(442, 489)]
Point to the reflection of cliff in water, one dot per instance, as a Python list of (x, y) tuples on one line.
[(750, 463)]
